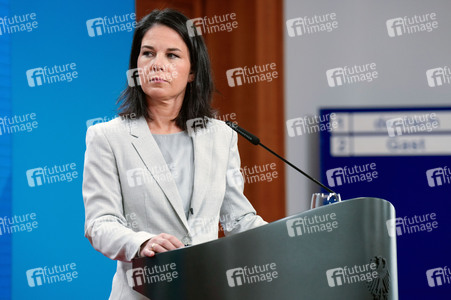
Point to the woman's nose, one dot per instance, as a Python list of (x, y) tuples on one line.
[(158, 63)]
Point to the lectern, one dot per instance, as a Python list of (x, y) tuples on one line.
[(345, 250)]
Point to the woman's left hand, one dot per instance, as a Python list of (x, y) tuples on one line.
[(160, 243)]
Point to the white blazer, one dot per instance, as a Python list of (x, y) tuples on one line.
[(130, 194)]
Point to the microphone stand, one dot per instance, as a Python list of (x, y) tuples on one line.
[(256, 141)]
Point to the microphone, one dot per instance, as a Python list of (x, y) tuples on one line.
[(244, 133), (256, 141)]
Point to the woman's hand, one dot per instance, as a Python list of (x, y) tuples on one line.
[(160, 243)]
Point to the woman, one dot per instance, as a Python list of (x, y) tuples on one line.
[(167, 166)]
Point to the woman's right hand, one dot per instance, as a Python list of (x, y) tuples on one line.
[(160, 243)]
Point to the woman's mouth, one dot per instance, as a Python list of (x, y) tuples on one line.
[(157, 79)]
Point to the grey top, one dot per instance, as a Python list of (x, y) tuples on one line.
[(177, 150)]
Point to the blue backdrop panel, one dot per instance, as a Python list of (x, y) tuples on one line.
[(5, 159), (371, 152), (65, 72)]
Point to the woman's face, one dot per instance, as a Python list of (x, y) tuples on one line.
[(165, 64)]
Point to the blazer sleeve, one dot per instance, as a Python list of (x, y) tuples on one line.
[(237, 213), (105, 225)]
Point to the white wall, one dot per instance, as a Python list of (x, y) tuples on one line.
[(361, 37)]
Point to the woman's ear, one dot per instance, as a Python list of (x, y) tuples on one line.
[(191, 76)]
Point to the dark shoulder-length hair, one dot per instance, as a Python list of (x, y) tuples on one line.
[(198, 94)]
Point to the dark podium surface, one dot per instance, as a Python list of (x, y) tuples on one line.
[(338, 251)]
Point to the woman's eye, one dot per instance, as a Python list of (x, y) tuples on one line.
[(172, 55), (147, 53)]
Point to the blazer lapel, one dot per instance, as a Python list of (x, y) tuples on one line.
[(150, 153), (203, 147)]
